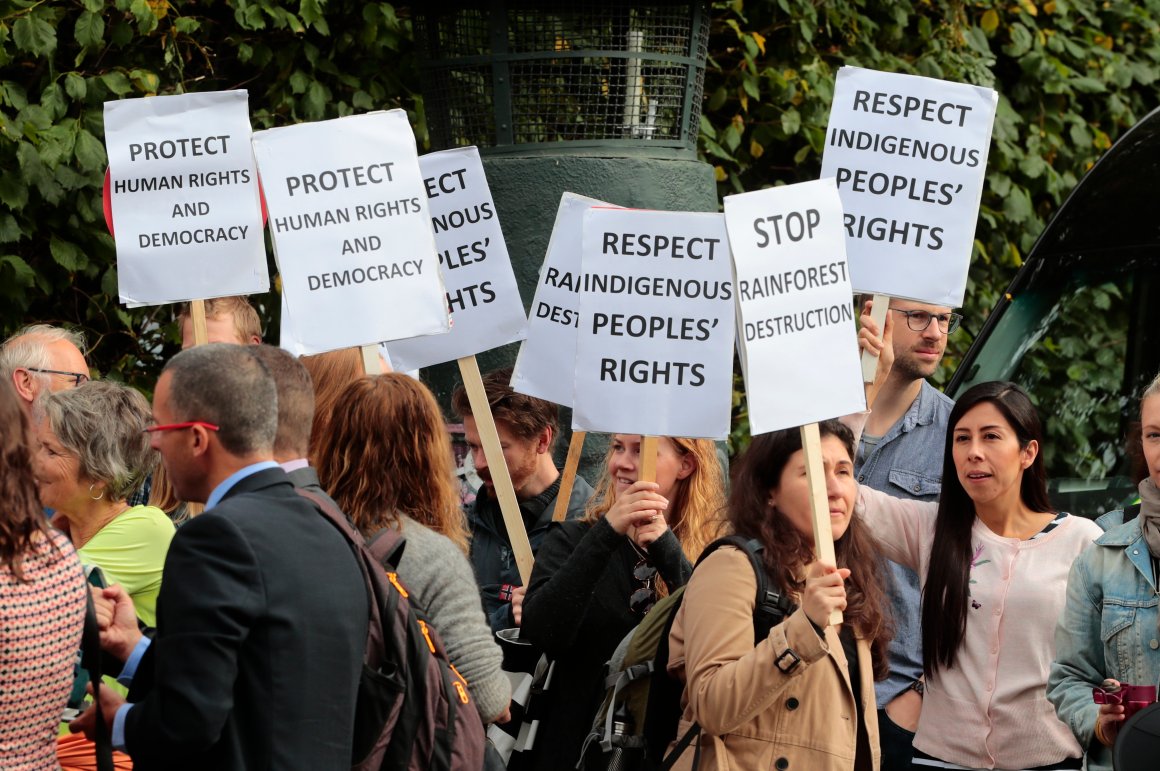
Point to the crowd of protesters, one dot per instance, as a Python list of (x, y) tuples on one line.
[(975, 618)]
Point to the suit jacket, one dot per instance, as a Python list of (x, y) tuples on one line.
[(261, 629)]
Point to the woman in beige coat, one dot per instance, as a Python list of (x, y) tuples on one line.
[(803, 697)]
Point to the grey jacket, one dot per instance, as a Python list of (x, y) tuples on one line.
[(491, 549)]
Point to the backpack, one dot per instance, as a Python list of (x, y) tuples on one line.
[(413, 710), (638, 719)]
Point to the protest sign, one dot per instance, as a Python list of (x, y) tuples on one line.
[(799, 345), (351, 230), (909, 155), (481, 288), (184, 197), (547, 358), (654, 350)]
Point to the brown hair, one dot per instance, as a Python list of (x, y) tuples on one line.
[(387, 453), (526, 416), (295, 400), (331, 373), (788, 551), (694, 513), (21, 516), (247, 325)]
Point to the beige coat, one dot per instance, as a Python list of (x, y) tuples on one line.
[(752, 715)]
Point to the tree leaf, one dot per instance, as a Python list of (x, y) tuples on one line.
[(66, 254), (90, 152), (34, 35), (90, 29)]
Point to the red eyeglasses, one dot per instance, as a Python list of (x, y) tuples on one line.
[(179, 426)]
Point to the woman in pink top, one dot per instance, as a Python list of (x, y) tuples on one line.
[(993, 558), (42, 607)]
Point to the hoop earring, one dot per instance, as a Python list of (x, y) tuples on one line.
[(95, 497)]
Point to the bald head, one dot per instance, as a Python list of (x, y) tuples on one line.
[(42, 359)]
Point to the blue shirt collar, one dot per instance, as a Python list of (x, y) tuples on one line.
[(228, 483)]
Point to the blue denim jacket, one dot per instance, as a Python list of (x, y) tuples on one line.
[(1108, 629), (907, 463)]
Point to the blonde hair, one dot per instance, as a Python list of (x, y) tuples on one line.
[(387, 453), (696, 511), (247, 325)]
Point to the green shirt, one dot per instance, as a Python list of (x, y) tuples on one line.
[(130, 551)]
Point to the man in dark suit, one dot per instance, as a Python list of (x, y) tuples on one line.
[(262, 616)]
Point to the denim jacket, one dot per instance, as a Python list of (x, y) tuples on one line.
[(907, 463), (1108, 629)]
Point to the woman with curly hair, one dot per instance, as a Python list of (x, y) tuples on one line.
[(595, 578), (803, 696), (386, 460)]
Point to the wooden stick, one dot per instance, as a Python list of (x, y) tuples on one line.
[(568, 475), (648, 458), (370, 360), (512, 519), (197, 316), (819, 501), (878, 313)]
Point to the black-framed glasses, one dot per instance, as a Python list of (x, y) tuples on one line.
[(643, 598), (77, 377), (918, 321)]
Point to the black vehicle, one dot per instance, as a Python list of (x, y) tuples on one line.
[(1086, 303)]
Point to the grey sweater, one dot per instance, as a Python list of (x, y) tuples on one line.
[(439, 574)]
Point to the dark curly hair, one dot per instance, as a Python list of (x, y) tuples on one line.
[(788, 551)]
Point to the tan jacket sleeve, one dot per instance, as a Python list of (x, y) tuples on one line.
[(728, 680)]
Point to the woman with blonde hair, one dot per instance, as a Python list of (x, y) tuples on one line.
[(386, 460), (595, 578)]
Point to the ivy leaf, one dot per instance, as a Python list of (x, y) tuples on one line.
[(791, 121), (34, 35)]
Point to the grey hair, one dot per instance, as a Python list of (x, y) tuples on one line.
[(228, 386), (102, 422), (1153, 389), (29, 348)]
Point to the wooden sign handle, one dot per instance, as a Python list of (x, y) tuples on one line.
[(819, 501), (512, 519), (648, 458), (197, 316), (370, 360), (878, 313), (568, 475)]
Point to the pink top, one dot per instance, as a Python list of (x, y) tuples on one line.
[(991, 709), (41, 620)]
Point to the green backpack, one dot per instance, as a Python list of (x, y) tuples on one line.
[(637, 720)]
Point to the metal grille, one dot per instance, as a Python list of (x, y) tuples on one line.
[(531, 73)]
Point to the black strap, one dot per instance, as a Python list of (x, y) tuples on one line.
[(91, 661), (682, 745)]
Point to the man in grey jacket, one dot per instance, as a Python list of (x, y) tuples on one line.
[(901, 453), (527, 429)]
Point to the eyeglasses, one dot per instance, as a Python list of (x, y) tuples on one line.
[(918, 321), (642, 600), (179, 426), (77, 377)]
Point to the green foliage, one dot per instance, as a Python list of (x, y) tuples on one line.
[(1072, 76), (60, 61)]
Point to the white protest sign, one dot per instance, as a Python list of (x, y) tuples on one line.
[(547, 358), (351, 231), (799, 341), (654, 351), (184, 193), (481, 288), (909, 155)]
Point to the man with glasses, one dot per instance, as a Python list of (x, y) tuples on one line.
[(42, 358), (901, 453), (262, 616)]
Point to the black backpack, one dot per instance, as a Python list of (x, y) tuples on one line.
[(413, 710), (638, 681)]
